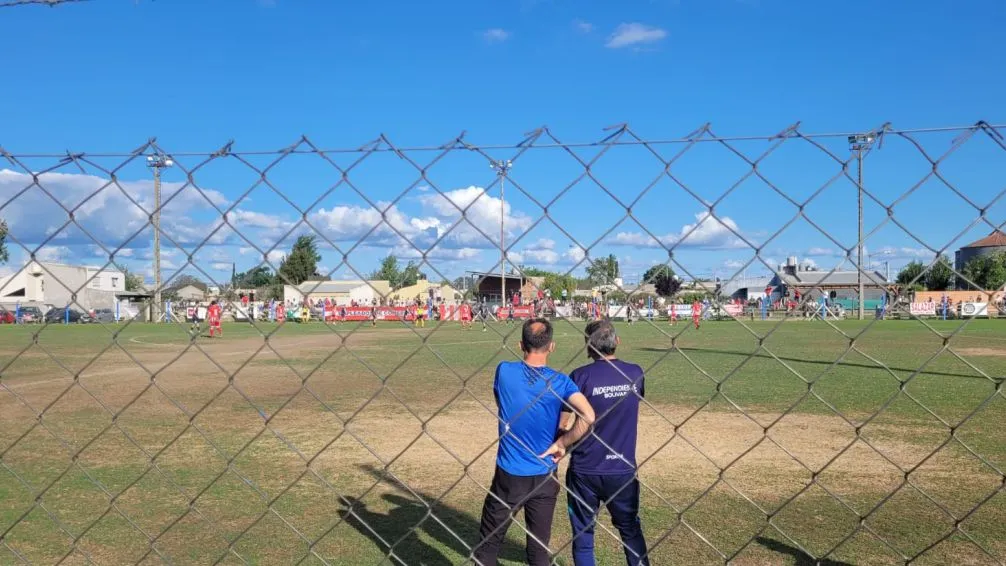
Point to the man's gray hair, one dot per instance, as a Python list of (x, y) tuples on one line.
[(601, 338)]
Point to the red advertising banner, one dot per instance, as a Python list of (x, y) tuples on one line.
[(522, 311), (358, 314)]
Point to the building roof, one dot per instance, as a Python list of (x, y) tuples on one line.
[(994, 240), (195, 285), (831, 279)]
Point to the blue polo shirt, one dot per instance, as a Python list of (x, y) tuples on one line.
[(614, 389), (530, 400)]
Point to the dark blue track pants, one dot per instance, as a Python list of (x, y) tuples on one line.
[(620, 494)]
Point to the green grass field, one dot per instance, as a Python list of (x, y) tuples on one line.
[(322, 445)]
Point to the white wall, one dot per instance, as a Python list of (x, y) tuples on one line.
[(363, 295), (32, 286), (106, 279)]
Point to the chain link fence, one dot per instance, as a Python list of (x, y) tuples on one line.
[(349, 441)]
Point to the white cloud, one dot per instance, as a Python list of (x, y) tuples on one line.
[(707, 232), (582, 26), (495, 35), (825, 252), (904, 252), (547, 257), (734, 264), (437, 253), (807, 262), (255, 219), (635, 34), (220, 266), (480, 210), (543, 244), (54, 254), (575, 254), (101, 208)]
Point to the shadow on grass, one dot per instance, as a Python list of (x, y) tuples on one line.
[(409, 518), (815, 362), (800, 558)]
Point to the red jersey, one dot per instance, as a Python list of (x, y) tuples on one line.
[(213, 314), (696, 309), (443, 311), (466, 312)]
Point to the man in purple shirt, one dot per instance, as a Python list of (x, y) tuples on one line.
[(602, 467)]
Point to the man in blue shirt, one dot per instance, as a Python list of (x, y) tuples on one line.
[(530, 397), (602, 468)]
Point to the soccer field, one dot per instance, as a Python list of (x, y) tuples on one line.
[(246, 450)]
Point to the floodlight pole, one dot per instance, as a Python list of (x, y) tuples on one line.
[(156, 163), (859, 272), (860, 143), (502, 167)]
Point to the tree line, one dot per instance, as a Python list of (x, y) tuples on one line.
[(986, 272)]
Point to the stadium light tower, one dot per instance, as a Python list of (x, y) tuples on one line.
[(860, 144), (157, 162), (502, 168)]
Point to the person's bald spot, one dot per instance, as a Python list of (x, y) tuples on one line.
[(536, 336)]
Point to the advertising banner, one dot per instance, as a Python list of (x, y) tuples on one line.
[(974, 309), (922, 309)]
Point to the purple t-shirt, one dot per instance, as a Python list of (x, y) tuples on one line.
[(614, 389)]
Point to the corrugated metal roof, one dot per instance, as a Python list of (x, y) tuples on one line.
[(994, 240)]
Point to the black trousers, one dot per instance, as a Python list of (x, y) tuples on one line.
[(509, 494)]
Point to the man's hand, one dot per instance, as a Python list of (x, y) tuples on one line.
[(557, 451)]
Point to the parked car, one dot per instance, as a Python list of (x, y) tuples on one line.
[(59, 316), (31, 314), (6, 317), (105, 316)]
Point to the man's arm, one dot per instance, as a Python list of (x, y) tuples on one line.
[(580, 427)]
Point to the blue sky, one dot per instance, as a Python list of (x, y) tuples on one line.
[(106, 75)]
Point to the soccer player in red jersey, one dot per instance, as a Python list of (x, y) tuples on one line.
[(214, 315), (696, 313), (466, 316)]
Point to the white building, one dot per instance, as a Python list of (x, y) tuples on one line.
[(59, 285), (340, 292)]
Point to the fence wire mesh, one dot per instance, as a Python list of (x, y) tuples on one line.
[(776, 431)]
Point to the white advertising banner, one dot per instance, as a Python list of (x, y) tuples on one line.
[(974, 309), (922, 309)]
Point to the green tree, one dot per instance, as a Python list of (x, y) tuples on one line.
[(556, 283), (389, 271), (302, 262), (662, 277), (911, 274), (987, 272), (133, 281), (603, 271), (254, 278), (4, 255), (411, 274), (941, 275)]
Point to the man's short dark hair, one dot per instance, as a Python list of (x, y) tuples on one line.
[(536, 335), (601, 338)]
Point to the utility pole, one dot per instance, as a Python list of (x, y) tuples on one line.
[(157, 162), (502, 167), (860, 143)]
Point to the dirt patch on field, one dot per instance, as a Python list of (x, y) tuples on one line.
[(989, 352)]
